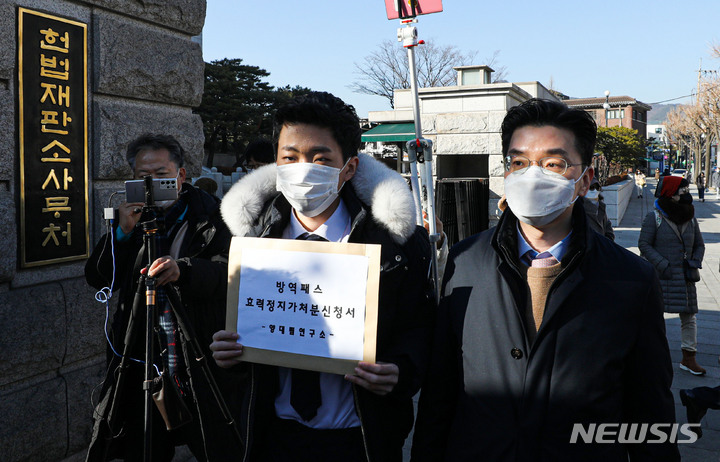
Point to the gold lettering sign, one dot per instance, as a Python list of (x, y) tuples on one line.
[(53, 134)]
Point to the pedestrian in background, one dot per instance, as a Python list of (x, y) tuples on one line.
[(697, 401), (207, 184), (700, 182), (670, 239), (639, 183), (716, 182), (258, 152), (594, 204)]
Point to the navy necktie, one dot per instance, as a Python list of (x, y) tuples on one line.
[(310, 237), (305, 395)]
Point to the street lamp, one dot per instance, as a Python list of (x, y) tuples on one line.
[(606, 105)]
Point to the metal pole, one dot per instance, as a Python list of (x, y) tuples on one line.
[(425, 179), (418, 147), (412, 158), (429, 187), (150, 230), (414, 87), (408, 36)]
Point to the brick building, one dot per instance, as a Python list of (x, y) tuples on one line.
[(624, 111)]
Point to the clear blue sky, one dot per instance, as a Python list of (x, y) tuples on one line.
[(648, 49)]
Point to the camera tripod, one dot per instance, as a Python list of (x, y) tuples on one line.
[(147, 288)]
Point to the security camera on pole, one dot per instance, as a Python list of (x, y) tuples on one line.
[(419, 149)]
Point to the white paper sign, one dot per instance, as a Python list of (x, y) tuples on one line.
[(303, 302)]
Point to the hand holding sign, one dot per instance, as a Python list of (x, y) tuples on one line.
[(378, 378), (226, 350)]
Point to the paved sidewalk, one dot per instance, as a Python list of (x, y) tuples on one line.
[(707, 448)]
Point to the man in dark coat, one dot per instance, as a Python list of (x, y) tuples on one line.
[(321, 185), (192, 252), (546, 330)]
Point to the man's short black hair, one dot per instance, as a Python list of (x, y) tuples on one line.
[(323, 110), (541, 112), (261, 150), (154, 142)]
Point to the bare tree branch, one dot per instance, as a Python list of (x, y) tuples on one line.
[(715, 50), (386, 68)]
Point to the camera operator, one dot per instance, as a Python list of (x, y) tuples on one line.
[(192, 245)]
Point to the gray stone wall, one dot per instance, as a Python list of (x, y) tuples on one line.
[(145, 74)]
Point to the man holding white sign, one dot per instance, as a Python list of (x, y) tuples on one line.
[(365, 416)]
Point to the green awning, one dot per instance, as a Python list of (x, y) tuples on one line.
[(388, 133)]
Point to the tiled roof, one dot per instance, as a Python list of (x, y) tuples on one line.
[(588, 103)]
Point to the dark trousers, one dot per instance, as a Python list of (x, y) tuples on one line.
[(701, 192), (707, 397), (290, 441)]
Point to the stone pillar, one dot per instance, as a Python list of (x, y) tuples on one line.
[(145, 74)]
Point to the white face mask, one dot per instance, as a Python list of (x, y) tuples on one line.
[(309, 188), (537, 197), (593, 195)]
